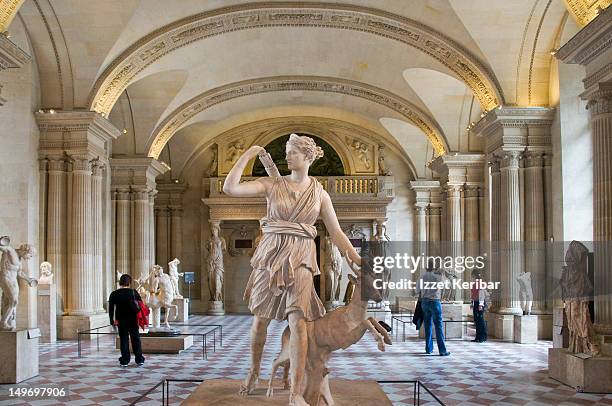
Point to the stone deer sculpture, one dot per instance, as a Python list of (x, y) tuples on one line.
[(338, 329)]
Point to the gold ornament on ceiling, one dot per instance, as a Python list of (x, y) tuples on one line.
[(584, 11), (8, 11)]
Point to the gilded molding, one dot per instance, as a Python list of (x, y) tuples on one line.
[(166, 129), (8, 11), (584, 11), (118, 75)]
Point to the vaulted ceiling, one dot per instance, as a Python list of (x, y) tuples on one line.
[(177, 74)]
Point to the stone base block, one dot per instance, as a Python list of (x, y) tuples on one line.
[(47, 318), (183, 309), (224, 392), (405, 303), (500, 326), (560, 335), (162, 345), (215, 308), (68, 326), (585, 375), (450, 311), (19, 355), (525, 329), (545, 327)]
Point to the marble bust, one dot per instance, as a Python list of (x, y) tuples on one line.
[(46, 273)]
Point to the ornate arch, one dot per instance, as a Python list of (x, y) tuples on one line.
[(119, 74), (173, 122)]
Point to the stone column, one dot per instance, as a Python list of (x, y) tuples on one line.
[(80, 270), (454, 225), (141, 233), (434, 214), (510, 233), (123, 241), (97, 236), (56, 227), (151, 216), (161, 236), (600, 106), (494, 264), (472, 231), (534, 228), (421, 223), (176, 250)]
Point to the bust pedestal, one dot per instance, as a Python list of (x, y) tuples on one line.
[(19, 355), (47, 322), (182, 305), (526, 329)]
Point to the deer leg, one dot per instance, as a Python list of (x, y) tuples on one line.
[(377, 336), (381, 330)]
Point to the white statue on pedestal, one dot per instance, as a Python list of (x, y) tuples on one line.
[(10, 273), (216, 247), (159, 292), (525, 292), (46, 273), (174, 274), (281, 284)]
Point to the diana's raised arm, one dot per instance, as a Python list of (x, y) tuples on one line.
[(232, 185)]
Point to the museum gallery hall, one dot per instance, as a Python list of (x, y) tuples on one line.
[(376, 202)]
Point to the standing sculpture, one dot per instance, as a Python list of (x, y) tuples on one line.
[(333, 271), (381, 245), (46, 273), (383, 170), (10, 273), (174, 274), (281, 283), (159, 292), (525, 292), (216, 247), (576, 292)]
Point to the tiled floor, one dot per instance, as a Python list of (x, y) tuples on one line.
[(492, 373)]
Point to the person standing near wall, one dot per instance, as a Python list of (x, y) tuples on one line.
[(478, 308), (123, 312)]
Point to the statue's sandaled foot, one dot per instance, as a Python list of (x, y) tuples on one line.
[(249, 384), (297, 400)]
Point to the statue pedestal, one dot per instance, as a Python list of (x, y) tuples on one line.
[(19, 355), (585, 375), (68, 326), (162, 345), (47, 322), (560, 335), (225, 392), (500, 325), (183, 309), (450, 311), (526, 329), (215, 308)]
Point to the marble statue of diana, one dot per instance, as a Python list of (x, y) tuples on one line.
[(281, 282)]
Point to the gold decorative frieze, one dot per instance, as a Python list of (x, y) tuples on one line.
[(118, 75), (8, 11), (584, 11), (176, 119)]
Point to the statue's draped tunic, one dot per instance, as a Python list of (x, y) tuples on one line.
[(285, 260)]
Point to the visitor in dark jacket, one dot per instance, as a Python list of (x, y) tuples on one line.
[(123, 316)]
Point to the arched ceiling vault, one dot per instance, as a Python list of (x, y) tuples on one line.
[(125, 68), (179, 117)]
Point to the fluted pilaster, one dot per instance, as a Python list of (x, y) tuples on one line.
[(80, 271), (453, 204), (510, 232), (56, 223), (162, 252), (535, 228), (98, 233), (601, 122), (495, 264), (123, 240), (177, 237), (141, 232), (151, 216)]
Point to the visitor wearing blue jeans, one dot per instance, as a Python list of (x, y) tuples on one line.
[(432, 312), (429, 291)]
